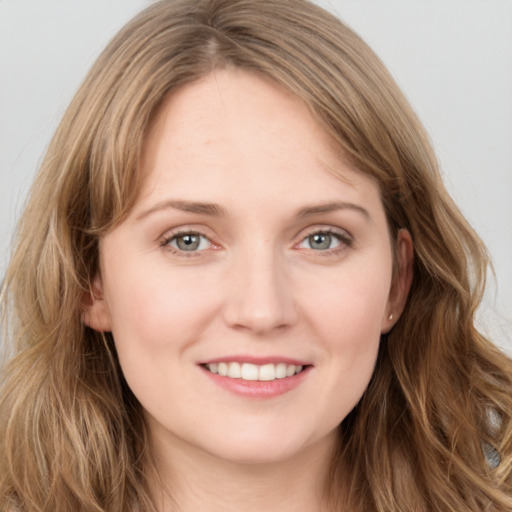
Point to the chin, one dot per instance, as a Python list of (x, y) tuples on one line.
[(255, 454), (273, 448)]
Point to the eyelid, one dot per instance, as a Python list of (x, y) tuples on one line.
[(332, 230), (187, 229), (343, 236), (173, 239), (166, 239)]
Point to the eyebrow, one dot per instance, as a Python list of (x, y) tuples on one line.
[(332, 207), (186, 206), (216, 210)]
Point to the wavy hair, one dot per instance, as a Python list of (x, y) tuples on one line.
[(432, 432)]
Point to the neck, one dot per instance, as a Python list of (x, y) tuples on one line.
[(190, 479)]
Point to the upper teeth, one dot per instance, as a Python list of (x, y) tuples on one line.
[(248, 371)]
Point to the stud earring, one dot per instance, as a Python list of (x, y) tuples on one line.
[(390, 317)]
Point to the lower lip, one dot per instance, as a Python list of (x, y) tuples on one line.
[(258, 388)]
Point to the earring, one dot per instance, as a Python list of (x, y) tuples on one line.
[(390, 317)]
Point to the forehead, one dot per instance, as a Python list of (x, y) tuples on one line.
[(234, 132)]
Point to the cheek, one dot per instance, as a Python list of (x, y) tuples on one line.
[(351, 332), (348, 316), (351, 304), (150, 304), (156, 315)]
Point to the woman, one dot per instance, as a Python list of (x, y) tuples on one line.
[(240, 284)]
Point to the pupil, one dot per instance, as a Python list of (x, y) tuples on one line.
[(320, 241), (188, 242)]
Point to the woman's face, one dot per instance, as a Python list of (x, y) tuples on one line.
[(249, 286)]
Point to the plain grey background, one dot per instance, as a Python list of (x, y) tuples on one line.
[(453, 59)]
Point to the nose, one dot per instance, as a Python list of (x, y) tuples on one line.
[(260, 297)]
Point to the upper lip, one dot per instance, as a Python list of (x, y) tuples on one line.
[(257, 360)]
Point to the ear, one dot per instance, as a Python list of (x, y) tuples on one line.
[(402, 280), (95, 312)]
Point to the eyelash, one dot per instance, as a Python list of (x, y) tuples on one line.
[(345, 241), (166, 243)]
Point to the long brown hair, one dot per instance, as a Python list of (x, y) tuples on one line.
[(432, 432)]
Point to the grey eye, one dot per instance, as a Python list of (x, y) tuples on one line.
[(321, 241), (189, 242)]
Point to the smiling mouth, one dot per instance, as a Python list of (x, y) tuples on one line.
[(254, 372)]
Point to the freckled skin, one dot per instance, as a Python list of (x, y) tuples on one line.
[(255, 285)]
